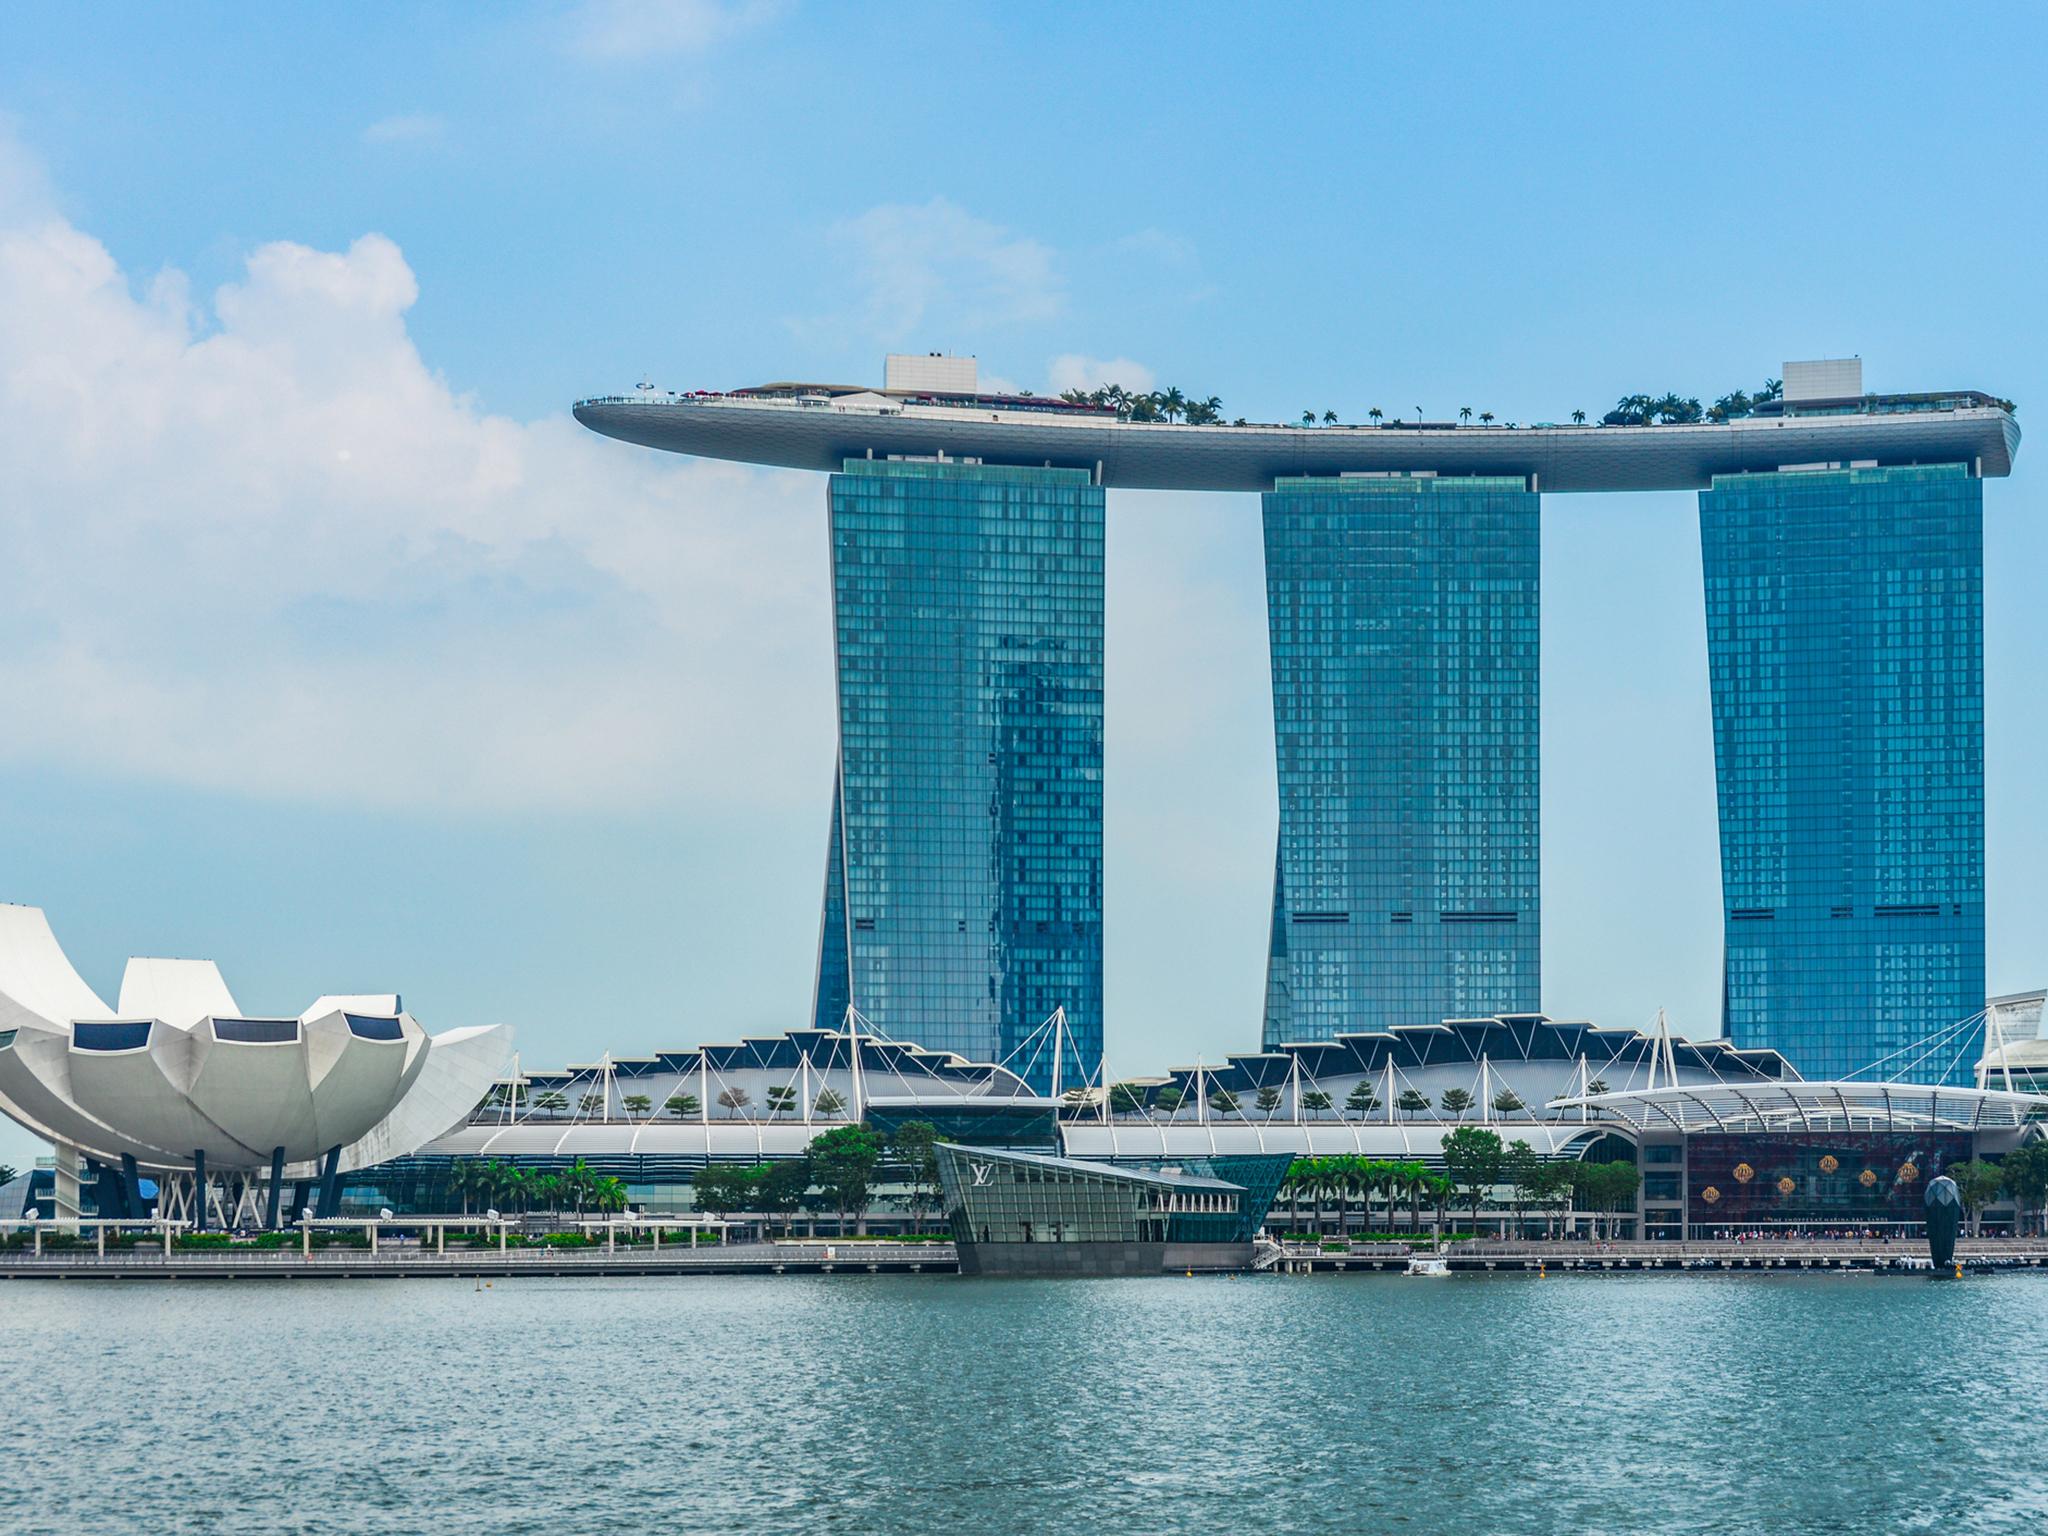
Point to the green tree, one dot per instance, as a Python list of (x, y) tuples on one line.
[(1464, 413), (782, 1101), (1523, 1170), (780, 1187), (1168, 1099), (1126, 1099), (2025, 1171), (1507, 1102), (682, 1105), (1316, 1102), (916, 1144), (828, 1103), (1456, 1101), (592, 1104), (1472, 1157), (1978, 1182), (1438, 1188), (1223, 1101), (1268, 1100), (1329, 418), (1579, 417), (843, 1162), (722, 1188), (1485, 418), (1361, 1101), (1376, 415), (637, 1103), (1308, 418), (1412, 1101), (1605, 1189), (551, 1101), (1596, 1085)]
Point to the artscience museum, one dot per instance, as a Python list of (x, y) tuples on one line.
[(177, 1085)]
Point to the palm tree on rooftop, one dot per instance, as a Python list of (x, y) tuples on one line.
[(1464, 413), (1172, 403), (1485, 418), (1329, 418), (1375, 414), (1308, 418), (1579, 417)]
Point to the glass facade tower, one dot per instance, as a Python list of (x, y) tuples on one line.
[(963, 894), (1845, 645), (1403, 613)]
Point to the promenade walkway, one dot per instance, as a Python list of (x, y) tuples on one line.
[(400, 1261)]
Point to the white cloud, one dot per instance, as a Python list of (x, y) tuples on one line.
[(642, 29), (260, 546), (405, 128), (1071, 370), (929, 271)]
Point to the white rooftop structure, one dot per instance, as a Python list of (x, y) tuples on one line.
[(1803, 1106), (1834, 378), (929, 373)]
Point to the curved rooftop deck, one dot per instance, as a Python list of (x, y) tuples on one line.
[(796, 427)]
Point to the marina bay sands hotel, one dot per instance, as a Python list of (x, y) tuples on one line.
[(1842, 545)]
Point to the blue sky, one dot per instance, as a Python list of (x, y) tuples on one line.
[(330, 648)]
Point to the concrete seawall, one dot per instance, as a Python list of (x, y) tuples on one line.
[(393, 1261)]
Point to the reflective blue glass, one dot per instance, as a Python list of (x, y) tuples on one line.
[(1845, 642), (1405, 648), (964, 901)]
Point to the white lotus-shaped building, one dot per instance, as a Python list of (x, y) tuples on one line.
[(176, 1078)]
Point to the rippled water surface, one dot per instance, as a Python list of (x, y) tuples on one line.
[(1342, 1403)]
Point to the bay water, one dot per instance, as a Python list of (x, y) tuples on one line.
[(1613, 1403)]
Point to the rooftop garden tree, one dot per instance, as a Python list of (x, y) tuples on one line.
[(1362, 1100), (1456, 1101), (682, 1105), (1316, 1102), (1412, 1101), (734, 1099), (1268, 1100)]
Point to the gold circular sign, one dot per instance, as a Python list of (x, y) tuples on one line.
[(1786, 1185), (1829, 1164), (1710, 1194), (1908, 1172), (1866, 1178), (1744, 1173)]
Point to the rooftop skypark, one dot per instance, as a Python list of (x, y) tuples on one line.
[(1819, 416)]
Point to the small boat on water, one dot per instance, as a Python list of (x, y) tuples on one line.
[(1422, 1264)]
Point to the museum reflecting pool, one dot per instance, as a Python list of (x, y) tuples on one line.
[(1732, 1403)]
